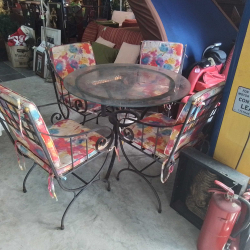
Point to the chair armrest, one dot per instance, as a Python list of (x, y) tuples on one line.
[(45, 105), (99, 142), (163, 125)]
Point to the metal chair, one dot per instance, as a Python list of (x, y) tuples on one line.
[(162, 138), (65, 59), (60, 149)]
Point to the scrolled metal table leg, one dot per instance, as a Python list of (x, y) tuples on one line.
[(150, 185), (113, 120), (111, 165)]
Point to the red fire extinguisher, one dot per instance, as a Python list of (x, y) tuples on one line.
[(223, 211), (240, 238)]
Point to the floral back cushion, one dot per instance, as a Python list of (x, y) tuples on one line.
[(68, 58), (161, 54), (13, 106), (204, 103)]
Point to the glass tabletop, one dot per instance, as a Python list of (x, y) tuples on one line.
[(127, 85)]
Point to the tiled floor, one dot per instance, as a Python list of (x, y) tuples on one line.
[(8, 73)]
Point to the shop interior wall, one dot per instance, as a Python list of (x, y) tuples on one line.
[(195, 23)]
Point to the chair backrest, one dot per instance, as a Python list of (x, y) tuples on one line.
[(167, 55), (196, 113), (27, 124), (68, 58)]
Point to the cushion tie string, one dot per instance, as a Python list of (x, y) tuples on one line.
[(51, 186), (170, 169), (18, 158), (199, 106), (19, 111), (116, 151), (89, 111)]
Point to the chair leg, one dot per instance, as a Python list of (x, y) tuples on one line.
[(150, 185), (72, 201), (66, 210), (97, 118), (27, 175), (60, 106), (84, 120), (87, 184)]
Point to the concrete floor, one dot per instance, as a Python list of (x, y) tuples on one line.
[(124, 218)]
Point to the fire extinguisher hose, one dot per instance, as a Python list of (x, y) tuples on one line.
[(247, 220)]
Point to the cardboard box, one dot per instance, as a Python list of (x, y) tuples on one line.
[(18, 55)]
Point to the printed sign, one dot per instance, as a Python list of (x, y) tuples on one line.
[(242, 101)]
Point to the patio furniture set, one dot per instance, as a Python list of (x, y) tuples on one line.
[(125, 94)]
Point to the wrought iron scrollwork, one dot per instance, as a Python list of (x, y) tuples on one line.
[(61, 104), (100, 144), (56, 116), (128, 133), (80, 107)]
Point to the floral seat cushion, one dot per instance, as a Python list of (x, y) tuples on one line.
[(146, 136), (80, 151), (64, 128)]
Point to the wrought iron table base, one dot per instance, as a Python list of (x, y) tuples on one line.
[(113, 120)]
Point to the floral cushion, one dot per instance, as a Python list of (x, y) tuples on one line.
[(24, 131), (193, 132), (39, 161), (149, 138), (64, 128), (68, 58), (165, 55), (80, 152)]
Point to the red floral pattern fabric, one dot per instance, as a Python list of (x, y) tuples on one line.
[(58, 148), (79, 144), (80, 152), (146, 136), (28, 139), (161, 54), (68, 58)]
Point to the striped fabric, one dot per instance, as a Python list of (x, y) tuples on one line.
[(119, 35), (90, 33), (114, 35)]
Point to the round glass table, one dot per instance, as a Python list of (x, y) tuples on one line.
[(127, 85)]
